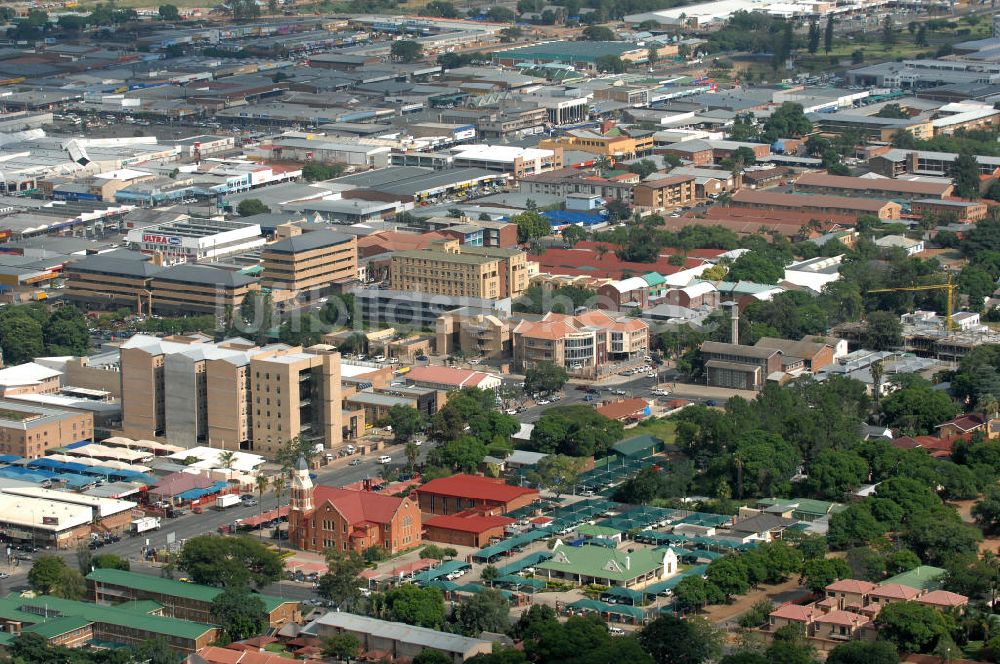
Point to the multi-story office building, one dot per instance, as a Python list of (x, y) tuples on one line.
[(27, 430), (187, 288), (585, 345), (140, 282), (451, 269), (111, 280), (232, 394), (310, 261)]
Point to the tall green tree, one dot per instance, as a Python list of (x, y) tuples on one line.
[(828, 34), (230, 561), (240, 613), (341, 582), (545, 377), (531, 225), (169, 13), (813, 35), (913, 627), (406, 50), (485, 611), (965, 175), (671, 640)]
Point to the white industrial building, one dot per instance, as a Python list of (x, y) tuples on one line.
[(42, 520), (193, 240), (506, 158), (713, 13)]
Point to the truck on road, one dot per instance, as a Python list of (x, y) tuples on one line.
[(227, 500), (145, 524)]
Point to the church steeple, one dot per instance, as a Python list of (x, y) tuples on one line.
[(302, 487)]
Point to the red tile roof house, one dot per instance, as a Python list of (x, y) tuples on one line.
[(961, 426), (936, 447), (461, 493), (843, 626), (451, 378), (891, 593), (850, 592), (793, 614), (626, 410), (943, 599), (475, 530)]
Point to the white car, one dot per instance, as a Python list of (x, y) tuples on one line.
[(418, 442), (544, 402), (384, 459)]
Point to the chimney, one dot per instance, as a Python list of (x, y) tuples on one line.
[(734, 318), (607, 125)]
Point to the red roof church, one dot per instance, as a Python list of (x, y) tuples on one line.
[(327, 517)]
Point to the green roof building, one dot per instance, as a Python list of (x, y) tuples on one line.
[(609, 567), (188, 601), (639, 447), (574, 53), (803, 509), (71, 623), (924, 577)]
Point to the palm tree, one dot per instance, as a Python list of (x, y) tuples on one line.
[(278, 485), (987, 403), (262, 484), (877, 371), (227, 459), (412, 453)]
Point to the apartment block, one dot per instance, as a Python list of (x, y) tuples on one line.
[(843, 185), (295, 394), (817, 204), (472, 333), (310, 260), (587, 345), (451, 269), (27, 430), (669, 192), (232, 394)]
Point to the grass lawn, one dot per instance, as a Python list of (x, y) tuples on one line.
[(664, 429), (278, 649), (16, 415)]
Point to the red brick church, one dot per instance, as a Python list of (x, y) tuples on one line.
[(326, 517)]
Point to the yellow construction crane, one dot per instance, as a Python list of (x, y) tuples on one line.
[(949, 287)]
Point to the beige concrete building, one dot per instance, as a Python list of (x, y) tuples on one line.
[(295, 394), (27, 430), (310, 261), (473, 334), (186, 288), (233, 394), (452, 269), (587, 345)]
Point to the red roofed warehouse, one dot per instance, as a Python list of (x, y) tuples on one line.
[(459, 493), (465, 530), (346, 520)]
